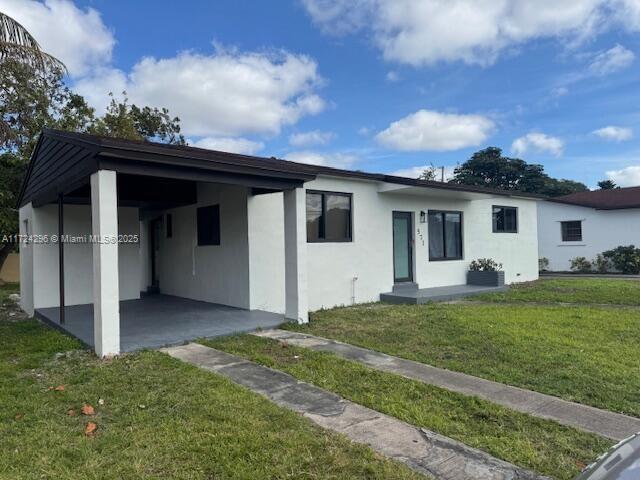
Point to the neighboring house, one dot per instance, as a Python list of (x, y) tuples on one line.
[(585, 224), (258, 234)]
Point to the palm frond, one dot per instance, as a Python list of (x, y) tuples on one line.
[(17, 42)]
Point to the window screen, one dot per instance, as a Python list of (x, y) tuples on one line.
[(571, 231)]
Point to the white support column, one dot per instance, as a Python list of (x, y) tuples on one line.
[(106, 296), (295, 256)]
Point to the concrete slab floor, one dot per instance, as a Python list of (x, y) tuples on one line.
[(602, 422), (158, 320), (422, 450)]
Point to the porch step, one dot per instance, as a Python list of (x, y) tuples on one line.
[(404, 287), (417, 296)]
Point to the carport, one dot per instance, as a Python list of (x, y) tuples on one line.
[(82, 186)]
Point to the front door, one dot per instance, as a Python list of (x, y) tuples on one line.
[(402, 247)]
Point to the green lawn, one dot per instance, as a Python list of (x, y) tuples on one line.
[(588, 355), (160, 419), (540, 445), (571, 290)]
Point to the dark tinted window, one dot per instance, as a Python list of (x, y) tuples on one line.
[(328, 217), (571, 231), (209, 225), (505, 219), (445, 235)]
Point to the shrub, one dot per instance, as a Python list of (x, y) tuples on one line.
[(543, 264), (625, 259), (485, 265), (580, 264), (601, 263)]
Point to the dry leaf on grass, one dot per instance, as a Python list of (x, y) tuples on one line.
[(59, 388), (19, 416), (90, 429), (71, 412), (87, 409)]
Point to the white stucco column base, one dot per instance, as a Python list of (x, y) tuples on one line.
[(295, 253), (106, 297)]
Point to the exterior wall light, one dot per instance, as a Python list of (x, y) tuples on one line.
[(423, 216)]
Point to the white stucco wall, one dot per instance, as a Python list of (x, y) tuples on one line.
[(26, 260), (42, 259), (601, 230), (333, 266), (212, 273)]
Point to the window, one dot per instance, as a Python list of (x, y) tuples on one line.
[(445, 235), (328, 217), (505, 219), (209, 225), (571, 231), (169, 225)]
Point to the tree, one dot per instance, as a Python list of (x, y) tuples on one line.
[(428, 174), (607, 185), (489, 168)]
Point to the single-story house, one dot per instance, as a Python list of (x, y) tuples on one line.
[(190, 242), (584, 224)]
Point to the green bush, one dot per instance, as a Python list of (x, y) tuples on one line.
[(580, 264), (625, 259), (485, 265), (543, 264), (601, 263)]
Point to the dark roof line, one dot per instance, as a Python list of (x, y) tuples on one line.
[(613, 199), (117, 147)]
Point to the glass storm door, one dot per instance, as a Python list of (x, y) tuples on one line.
[(402, 247)]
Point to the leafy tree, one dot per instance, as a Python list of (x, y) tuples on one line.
[(428, 173), (31, 99), (607, 185), (489, 168)]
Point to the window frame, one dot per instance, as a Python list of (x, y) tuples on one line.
[(562, 231), (217, 239), (493, 224), (444, 236), (324, 194)]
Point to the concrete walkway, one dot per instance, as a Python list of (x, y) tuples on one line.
[(423, 451), (605, 423)]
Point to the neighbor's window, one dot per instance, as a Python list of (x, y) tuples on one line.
[(571, 231), (445, 235), (169, 225), (209, 225), (505, 219), (328, 217)]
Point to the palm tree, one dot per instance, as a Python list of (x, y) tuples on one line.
[(18, 44)]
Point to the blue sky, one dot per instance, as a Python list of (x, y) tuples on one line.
[(376, 85)]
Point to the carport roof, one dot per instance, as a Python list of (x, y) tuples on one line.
[(63, 161)]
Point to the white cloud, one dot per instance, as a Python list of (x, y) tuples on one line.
[(431, 130), (627, 177), (415, 172), (314, 137), (336, 159), (424, 32), (226, 93), (393, 76), (226, 144), (74, 35), (615, 59), (537, 142), (613, 133)]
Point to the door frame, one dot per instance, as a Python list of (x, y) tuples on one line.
[(410, 242), (155, 228)]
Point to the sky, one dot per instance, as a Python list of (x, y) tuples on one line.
[(388, 86)]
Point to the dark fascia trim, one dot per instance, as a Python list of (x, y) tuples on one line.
[(595, 207)]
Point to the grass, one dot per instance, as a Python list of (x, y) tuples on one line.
[(587, 355), (540, 445), (160, 418), (573, 290)]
